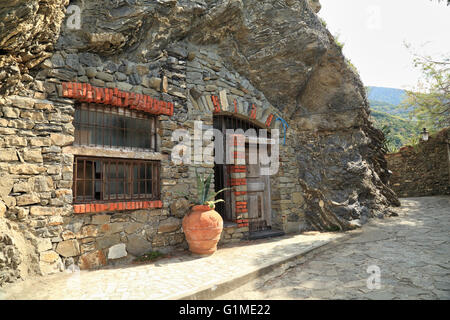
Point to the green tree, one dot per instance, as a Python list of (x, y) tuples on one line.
[(430, 101), (388, 143)]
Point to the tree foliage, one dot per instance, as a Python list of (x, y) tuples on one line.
[(430, 101)]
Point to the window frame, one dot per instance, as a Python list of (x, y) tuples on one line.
[(112, 110), (127, 179)]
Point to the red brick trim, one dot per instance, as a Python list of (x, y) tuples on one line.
[(86, 93), (239, 155), (115, 206), (238, 182), (238, 169), (242, 223)]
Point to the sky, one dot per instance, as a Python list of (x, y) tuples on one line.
[(374, 32)]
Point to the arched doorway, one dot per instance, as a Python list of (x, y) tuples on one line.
[(249, 203)]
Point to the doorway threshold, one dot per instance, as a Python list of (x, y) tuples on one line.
[(265, 234)]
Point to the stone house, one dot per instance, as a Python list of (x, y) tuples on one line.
[(86, 127)]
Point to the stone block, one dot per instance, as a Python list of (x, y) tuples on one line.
[(26, 168), (5, 131), (9, 112), (153, 82), (51, 268), (68, 248), (97, 82), (297, 198), (140, 215), (42, 184), (91, 72), (133, 227), (180, 207), (108, 241), (92, 260), (22, 187), (123, 86), (171, 224), (59, 139), (16, 141), (42, 244), (8, 155), (105, 76), (165, 84), (33, 116), (2, 209), (137, 245), (45, 211), (117, 251), (292, 227), (40, 142), (87, 231), (67, 235), (48, 256), (28, 199), (6, 185), (101, 219), (237, 235)]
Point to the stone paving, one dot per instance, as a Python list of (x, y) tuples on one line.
[(412, 252), (171, 278)]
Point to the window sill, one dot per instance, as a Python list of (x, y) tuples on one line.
[(112, 153), (115, 206)]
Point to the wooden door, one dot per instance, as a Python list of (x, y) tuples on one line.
[(258, 197)]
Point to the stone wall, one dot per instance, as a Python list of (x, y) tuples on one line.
[(422, 170)]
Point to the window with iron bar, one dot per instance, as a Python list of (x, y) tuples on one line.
[(106, 179), (114, 127), (113, 179)]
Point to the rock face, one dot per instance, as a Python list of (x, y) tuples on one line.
[(28, 31), (271, 62)]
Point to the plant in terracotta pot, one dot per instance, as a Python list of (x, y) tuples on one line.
[(202, 226)]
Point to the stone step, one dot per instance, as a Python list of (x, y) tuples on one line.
[(265, 234)]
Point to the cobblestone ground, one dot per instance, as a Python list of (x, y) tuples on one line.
[(171, 278), (412, 252)]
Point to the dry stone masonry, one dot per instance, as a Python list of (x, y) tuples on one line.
[(423, 170), (270, 63)]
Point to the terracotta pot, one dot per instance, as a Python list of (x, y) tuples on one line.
[(202, 228)]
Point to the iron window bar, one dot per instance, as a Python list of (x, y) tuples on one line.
[(103, 180)]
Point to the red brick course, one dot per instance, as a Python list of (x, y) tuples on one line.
[(115, 206)]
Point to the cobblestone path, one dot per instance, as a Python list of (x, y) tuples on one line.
[(181, 275), (411, 251)]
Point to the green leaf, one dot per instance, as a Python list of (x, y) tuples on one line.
[(206, 188), (200, 187), (214, 194), (211, 204)]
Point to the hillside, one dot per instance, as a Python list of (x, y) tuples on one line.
[(393, 110), (390, 96), (401, 130), (384, 103)]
